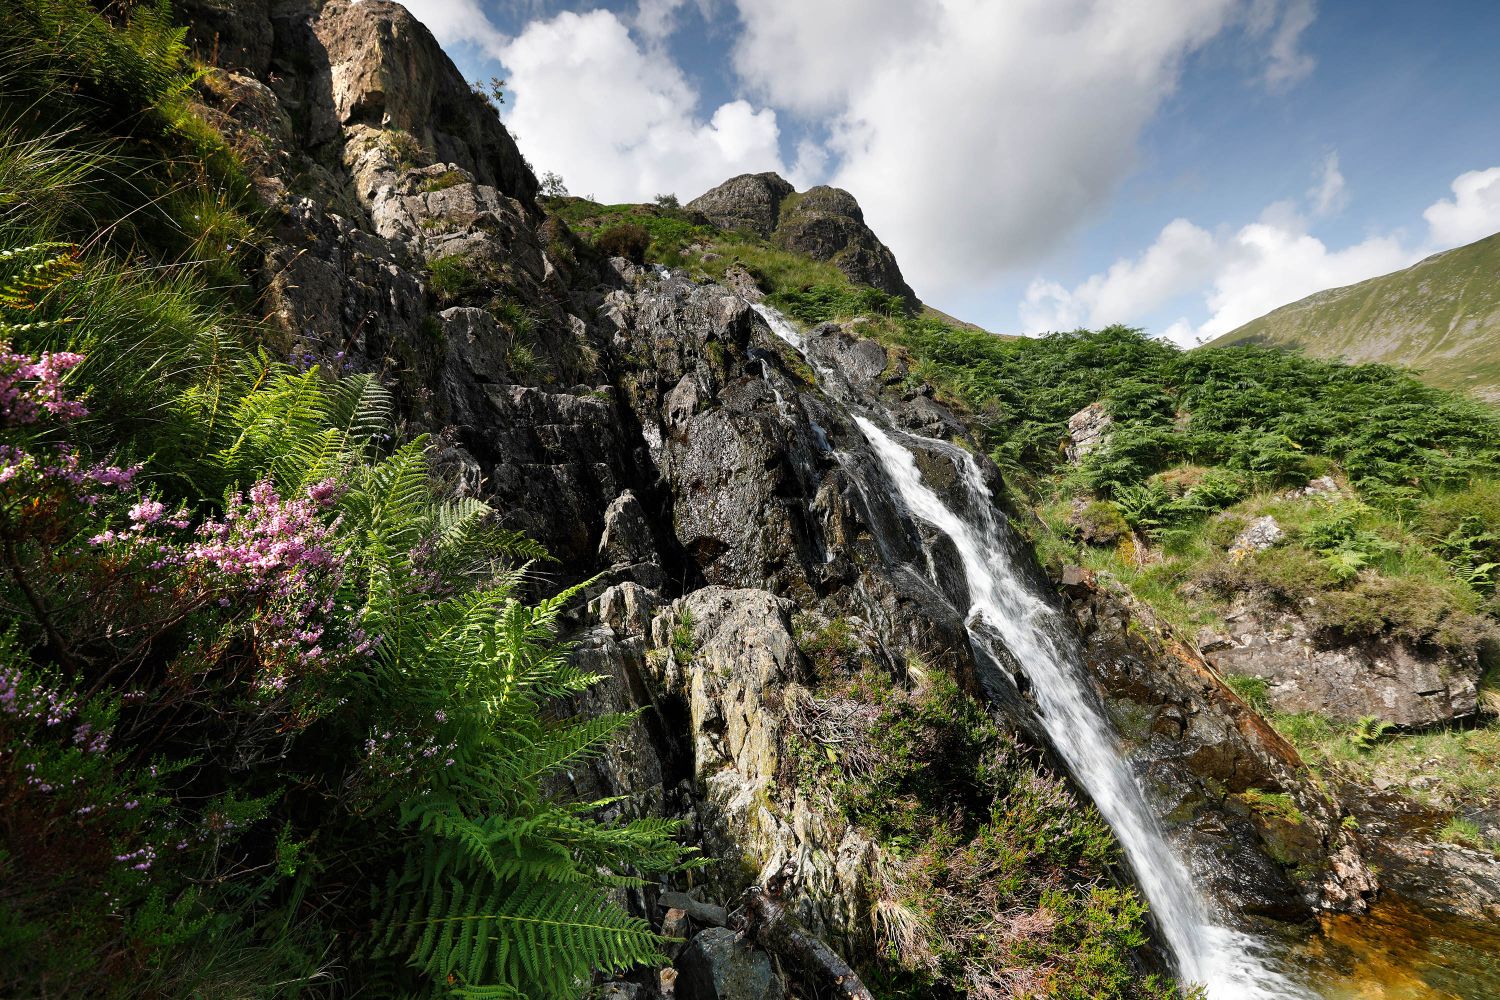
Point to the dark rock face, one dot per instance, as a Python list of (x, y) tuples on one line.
[(824, 223), (1388, 680), (717, 966)]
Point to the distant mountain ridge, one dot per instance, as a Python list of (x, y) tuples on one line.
[(1441, 316)]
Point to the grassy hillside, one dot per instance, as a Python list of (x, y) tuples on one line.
[(1441, 317)]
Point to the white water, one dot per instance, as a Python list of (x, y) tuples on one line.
[(1227, 963), (1224, 961)]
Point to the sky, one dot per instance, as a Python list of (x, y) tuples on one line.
[(1179, 165)]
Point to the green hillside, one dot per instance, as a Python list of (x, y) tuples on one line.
[(1440, 316)]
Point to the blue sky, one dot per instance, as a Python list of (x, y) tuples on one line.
[(1183, 165)]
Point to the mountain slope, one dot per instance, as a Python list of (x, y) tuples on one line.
[(1440, 316)]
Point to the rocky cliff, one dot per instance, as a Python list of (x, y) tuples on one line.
[(762, 595)]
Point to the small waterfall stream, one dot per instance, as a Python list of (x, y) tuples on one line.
[(1005, 606)]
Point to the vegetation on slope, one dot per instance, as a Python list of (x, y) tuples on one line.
[(1440, 317), (994, 880), (272, 718)]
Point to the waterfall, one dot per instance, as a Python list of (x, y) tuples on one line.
[(1224, 961), (1227, 963)]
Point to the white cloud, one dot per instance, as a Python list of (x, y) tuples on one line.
[(1181, 260), (618, 122), (656, 20), (979, 135), (1237, 275), (1265, 266), (1474, 212), (1331, 193), (458, 22), (1287, 63)]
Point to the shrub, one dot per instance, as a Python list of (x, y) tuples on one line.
[(1284, 575), (628, 240), (1098, 522), (444, 181), (273, 717)]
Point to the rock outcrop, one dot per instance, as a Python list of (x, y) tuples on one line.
[(1382, 679), (751, 202), (824, 223)]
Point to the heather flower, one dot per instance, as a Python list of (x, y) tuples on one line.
[(22, 403), (147, 512)]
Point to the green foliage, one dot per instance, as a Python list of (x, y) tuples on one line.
[(823, 302), (1099, 522), (1277, 805), (1467, 833), (1345, 546), (1252, 690), (1367, 732), (248, 793), (444, 181), (684, 646), (402, 147)]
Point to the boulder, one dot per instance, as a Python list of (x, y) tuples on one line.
[(749, 201), (1262, 534), (1088, 429), (716, 965)]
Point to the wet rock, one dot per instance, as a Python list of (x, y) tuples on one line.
[(1401, 836), (716, 965), (1228, 786), (1384, 679), (1088, 429)]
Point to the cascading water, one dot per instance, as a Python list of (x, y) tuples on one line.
[(1227, 963), (1222, 960)]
